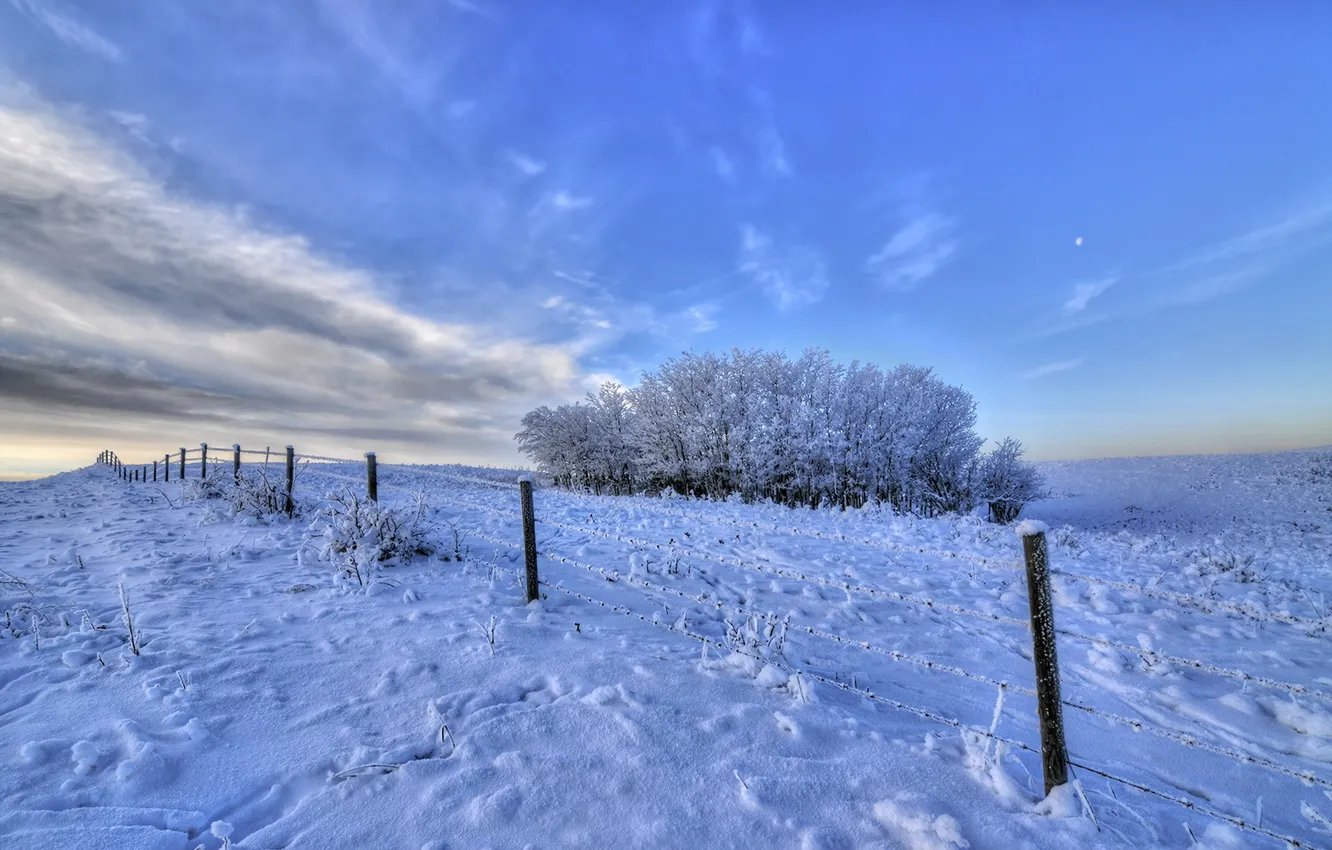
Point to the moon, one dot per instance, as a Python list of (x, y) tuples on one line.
[(1077, 241)]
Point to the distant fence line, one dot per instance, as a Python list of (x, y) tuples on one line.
[(141, 472), (1053, 751)]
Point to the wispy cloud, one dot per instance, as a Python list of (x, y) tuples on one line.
[(529, 166), (65, 27), (772, 153), (1204, 289), (1051, 369), (460, 109), (722, 164), (915, 252), (1084, 292), (132, 304), (1291, 232), (135, 124), (791, 278), (704, 317), (562, 200), (1207, 274), (472, 8)]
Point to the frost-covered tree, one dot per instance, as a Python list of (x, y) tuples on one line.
[(808, 431), (1006, 482)]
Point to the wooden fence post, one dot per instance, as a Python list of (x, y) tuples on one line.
[(1054, 752), (371, 477), (182, 463), (203, 461), (166, 466), (154, 472), (529, 538), (291, 479), (235, 463)]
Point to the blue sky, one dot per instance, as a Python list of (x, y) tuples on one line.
[(399, 226)]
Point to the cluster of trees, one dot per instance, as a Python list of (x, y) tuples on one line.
[(807, 431)]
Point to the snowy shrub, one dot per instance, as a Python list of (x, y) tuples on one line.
[(357, 535), (1006, 482), (1320, 467), (458, 550), (761, 426), (23, 614), (1225, 563), (758, 637), (256, 494), (214, 486)]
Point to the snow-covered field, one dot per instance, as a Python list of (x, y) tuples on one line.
[(645, 700)]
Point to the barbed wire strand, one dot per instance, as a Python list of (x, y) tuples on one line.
[(1240, 609), (1149, 655), (1237, 822), (1181, 738), (1207, 605), (1234, 821), (322, 459)]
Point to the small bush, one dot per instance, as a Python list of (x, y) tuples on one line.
[(200, 489), (1224, 563), (357, 535), (1320, 467), (1006, 482), (254, 494)]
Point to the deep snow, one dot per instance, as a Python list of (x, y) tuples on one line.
[(277, 705)]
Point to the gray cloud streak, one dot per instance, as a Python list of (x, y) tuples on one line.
[(123, 300)]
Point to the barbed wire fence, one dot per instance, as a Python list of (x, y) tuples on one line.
[(194, 463)]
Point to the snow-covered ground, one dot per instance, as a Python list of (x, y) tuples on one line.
[(275, 703)]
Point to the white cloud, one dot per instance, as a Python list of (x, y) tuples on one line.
[(723, 164), (914, 253), (1213, 286), (791, 278), (460, 108), (562, 200), (526, 164), (1052, 369), (470, 8), (64, 27), (704, 317), (134, 123), (135, 305), (1290, 232), (772, 153), (1084, 292)]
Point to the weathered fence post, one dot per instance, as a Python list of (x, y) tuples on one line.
[(203, 461), (182, 463), (154, 472), (1054, 752), (235, 463), (291, 479), (371, 477), (529, 538), (166, 466)]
